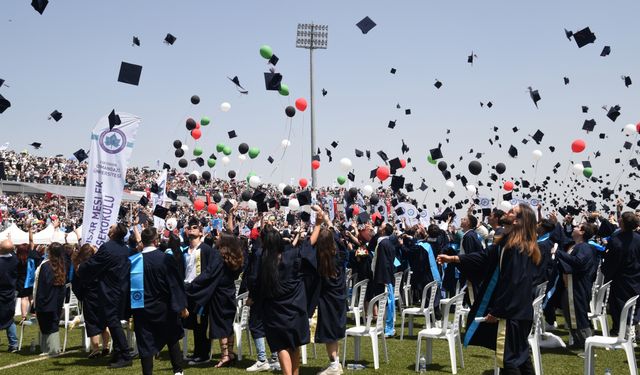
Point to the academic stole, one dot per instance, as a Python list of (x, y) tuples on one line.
[(35, 284), (137, 281), (568, 278), (432, 263)]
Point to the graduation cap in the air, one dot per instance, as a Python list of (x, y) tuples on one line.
[(351, 177), (236, 81), (393, 71), (627, 145), (160, 211), (627, 80), (392, 124), (366, 24), (605, 51), (129, 73), (566, 80), (383, 155), (169, 39), (405, 148), (114, 119), (324, 92), (81, 155), (39, 5), (394, 165), (273, 60), (535, 96), (582, 37), (272, 81), (36, 145), (613, 112), (270, 160), (227, 206), (633, 203), (143, 200), (232, 134), (585, 109), (537, 136), (304, 198), (368, 153), (136, 41), (513, 152), (199, 161), (589, 125), (438, 84), (435, 153), (334, 144), (55, 115), (471, 57), (407, 111), (172, 195)]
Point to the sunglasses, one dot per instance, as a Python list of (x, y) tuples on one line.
[(194, 227)]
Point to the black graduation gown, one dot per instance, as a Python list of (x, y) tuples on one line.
[(576, 268), (384, 268), (49, 300), (158, 323), (8, 276), (622, 265), (215, 290), (250, 277), (419, 262), (88, 293), (471, 244), (544, 269), (285, 318), (510, 302), (110, 266)]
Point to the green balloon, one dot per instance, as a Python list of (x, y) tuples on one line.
[(284, 90), (197, 151), (251, 174), (211, 163), (266, 51), (205, 121), (226, 150), (254, 152), (341, 180), (220, 147), (434, 162), (587, 172)]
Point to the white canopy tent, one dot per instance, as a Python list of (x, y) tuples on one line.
[(44, 237)]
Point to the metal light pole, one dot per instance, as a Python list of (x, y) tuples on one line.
[(311, 36)]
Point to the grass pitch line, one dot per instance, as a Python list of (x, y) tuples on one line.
[(36, 360)]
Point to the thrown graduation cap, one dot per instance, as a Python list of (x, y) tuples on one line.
[(613, 112), (392, 124), (160, 212), (535, 96), (566, 80), (232, 134), (394, 165), (199, 161), (383, 155), (366, 24), (605, 51), (239, 87), (143, 200), (368, 153), (589, 125), (513, 152), (438, 84), (39, 5), (136, 41), (585, 109), (304, 197), (393, 71), (270, 160), (397, 183), (129, 73), (407, 111), (324, 92), (273, 60), (114, 119), (81, 155), (169, 39), (272, 81), (359, 153), (537, 136), (584, 37), (405, 148), (334, 144), (435, 153), (627, 80), (36, 145), (471, 57), (57, 116)]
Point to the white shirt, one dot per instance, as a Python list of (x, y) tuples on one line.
[(190, 269)]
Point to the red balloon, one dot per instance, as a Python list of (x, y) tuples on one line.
[(403, 163), (638, 127), (315, 164), (196, 133), (382, 173), (356, 210), (578, 145), (376, 215), (301, 104), (212, 208), (197, 125), (303, 183), (508, 186), (198, 204)]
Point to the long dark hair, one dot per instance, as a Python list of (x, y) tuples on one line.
[(230, 250), (82, 255), (522, 235), (56, 259), (326, 248), (272, 247), (22, 251)]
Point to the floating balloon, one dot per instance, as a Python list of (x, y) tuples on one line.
[(254, 152), (638, 127), (243, 148), (285, 143), (205, 121), (195, 99), (303, 182), (281, 187), (315, 164), (290, 111), (179, 153), (294, 205), (430, 160), (220, 147), (630, 129), (197, 125), (288, 190), (475, 167), (471, 189), (578, 168), (212, 208), (508, 185), (211, 163), (450, 184), (506, 206), (253, 205), (382, 173), (374, 199), (284, 90), (226, 160), (226, 150), (206, 175), (177, 143), (225, 107), (197, 151), (266, 52), (367, 190), (353, 192), (231, 174), (242, 157), (217, 197), (442, 165), (301, 104), (246, 195), (578, 146), (185, 148), (587, 172), (193, 178), (346, 164), (183, 163), (403, 163), (356, 210), (537, 154), (500, 168), (196, 134), (254, 181), (341, 180), (190, 124), (198, 204)]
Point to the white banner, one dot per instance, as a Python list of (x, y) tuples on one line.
[(106, 176), (158, 199), (410, 214), (328, 202)]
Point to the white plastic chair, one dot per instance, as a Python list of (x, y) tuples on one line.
[(541, 289), (406, 290), (68, 308), (396, 290), (356, 306), (374, 332), (241, 323), (428, 294), (624, 340), (449, 331), (534, 336), (598, 313)]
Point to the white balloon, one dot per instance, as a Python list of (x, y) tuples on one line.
[(629, 129), (254, 181), (345, 164), (185, 148), (252, 204), (281, 186), (537, 154), (294, 205), (242, 157), (578, 168), (225, 107), (197, 173), (285, 143), (450, 184), (171, 224), (471, 189), (506, 206), (226, 160), (367, 190)]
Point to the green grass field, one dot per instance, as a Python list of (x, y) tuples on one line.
[(401, 359)]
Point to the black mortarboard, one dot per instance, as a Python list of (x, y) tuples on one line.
[(259, 196), (227, 206), (239, 87), (143, 200), (423, 186), (627, 145), (36, 145), (55, 115), (513, 152), (614, 112), (81, 155), (232, 134), (305, 216), (407, 111), (489, 104), (435, 153), (172, 195), (274, 59), (304, 198), (363, 217), (114, 119), (324, 92), (566, 80), (169, 39), (272, 81), (136, 41), (627, 80), (39, 5), (394, 164), (408, 187), (383, 155), (589, 125), (160, 211), (366, 24), (270, 160), (471, 57), (373, 173), (166, 166), (552, 148), (633, 203), (515, 129), (4, 104), (586, 164), (633, 162), (585, 109), (584, 37), (393, 71), (359, 153), (602, 135), (537, 136), (507, 197), (351, 176), (334, 144), (397, 183), (405, 149), (535, 96), (392, 124), (438, 84), (605, 51), (199, 161), (122, 212), (130, 73)]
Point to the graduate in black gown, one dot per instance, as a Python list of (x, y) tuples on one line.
[(157, 320), (282, 295), (383, 273), (215, 290), (470, 244), (621, 265), (8, 276), (110, 266), (505, 299), (49, 293), (544, 270)]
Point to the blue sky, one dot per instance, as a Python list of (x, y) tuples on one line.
[(68, 59)]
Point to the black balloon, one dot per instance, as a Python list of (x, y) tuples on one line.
[(243, 148), (290, 111), (374, 199), (500, 168), (193, 178), (246, 195), (217, 197), (475, 167), (179, 153), (288, 190), (177, 143), (232, 174), (183, 163), (206, 175), (447, 175), (353, 192), (195, 99), (191, 124), (442, 165)]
